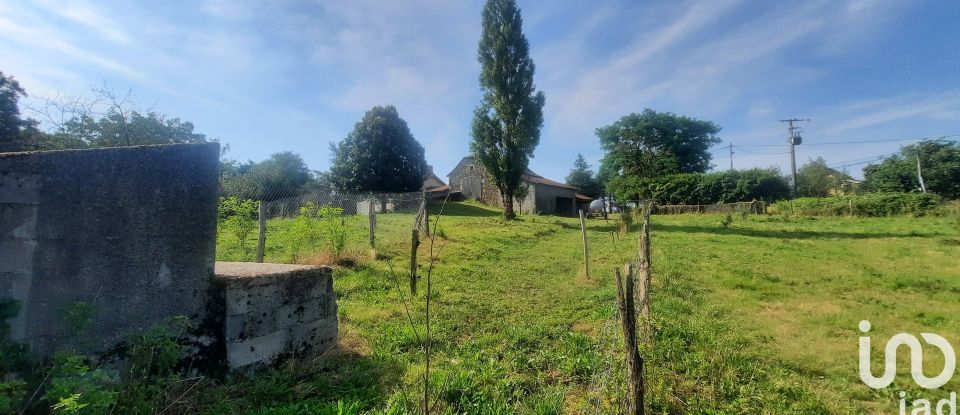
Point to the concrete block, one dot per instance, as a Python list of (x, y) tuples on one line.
[(17, 255), (263, 350), (15, 285), (18, 221), (18, 187), (295, 300), (133, 228), (319, 335)]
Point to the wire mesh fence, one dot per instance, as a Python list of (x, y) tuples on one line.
[(758, 207), (317, 226), (755, 207)]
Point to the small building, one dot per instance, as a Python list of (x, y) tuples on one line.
[(433, 186), (544, 196)]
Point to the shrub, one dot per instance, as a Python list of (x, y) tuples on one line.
[(13, 359), (726, 221), (705, 188), (625, 220), (869, 204), (238, 217), (313, 225), (76, 388)]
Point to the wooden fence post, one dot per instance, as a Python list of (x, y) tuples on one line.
[(634, 363), (425, 211), (645, 265), (586, 256), (372, 216), (262, 235), (414, 243)]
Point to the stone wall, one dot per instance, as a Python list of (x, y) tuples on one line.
[(275, 311), (131, 231)]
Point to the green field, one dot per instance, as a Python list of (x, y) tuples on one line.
[(760, 317)]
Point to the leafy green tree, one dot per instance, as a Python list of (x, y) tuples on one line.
[(705, 188), (379, 155), (120, 129), (583, 178), (506, 124), (72, 122), (239, 218), (939, 160), (281, 175), (816, 179), (16, 133), (653, 144)]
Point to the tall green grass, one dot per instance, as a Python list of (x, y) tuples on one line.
[(868, 204), (756, 317)]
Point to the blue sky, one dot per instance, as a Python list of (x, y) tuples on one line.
[(296, 75)]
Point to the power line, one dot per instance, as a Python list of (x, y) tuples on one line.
[(871, 160), (759, 152), (845, 142), (882, 141)]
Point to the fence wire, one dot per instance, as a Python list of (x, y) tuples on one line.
[(314, 225)]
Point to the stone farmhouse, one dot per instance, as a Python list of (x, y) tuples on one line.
[(544, 196)]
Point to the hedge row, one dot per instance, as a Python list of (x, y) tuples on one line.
[(704, 188), (868, 204)]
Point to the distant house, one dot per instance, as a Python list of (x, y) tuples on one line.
[(543, 195), (433, 185)]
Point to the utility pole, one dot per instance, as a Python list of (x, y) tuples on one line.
[(794, 139), (920, 173), (731, 156)]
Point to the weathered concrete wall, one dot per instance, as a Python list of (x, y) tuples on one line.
[(275, 311), (130, 230)]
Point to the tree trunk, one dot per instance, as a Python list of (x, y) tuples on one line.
[(508, 212)]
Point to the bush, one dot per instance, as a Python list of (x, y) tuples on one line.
[(13, 360), (726, 221), (869, 204), (705, 188), (624, 221), (238, 217), (313, 225)]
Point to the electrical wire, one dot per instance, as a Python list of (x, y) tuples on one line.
[(881, 141), (845, 142), (759, 152), (871, 160)]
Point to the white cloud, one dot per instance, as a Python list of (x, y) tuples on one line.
[(81, 13)]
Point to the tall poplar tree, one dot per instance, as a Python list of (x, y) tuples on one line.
[(506, 124)]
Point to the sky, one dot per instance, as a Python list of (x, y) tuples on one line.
[(271, 76)]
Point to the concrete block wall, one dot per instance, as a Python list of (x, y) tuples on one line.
[(274, 311), (130, 230)]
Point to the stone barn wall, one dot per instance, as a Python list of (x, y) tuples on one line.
[(130, 230)]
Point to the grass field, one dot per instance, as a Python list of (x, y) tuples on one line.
[(760, 317)]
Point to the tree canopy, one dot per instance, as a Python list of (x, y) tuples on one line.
[(705, 188), (16, 133), (582, 178), (379, 155), (103, 120), (282, 175), (506, 124), (939, 162), (816, 179), (118, 128), (654, 144)]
